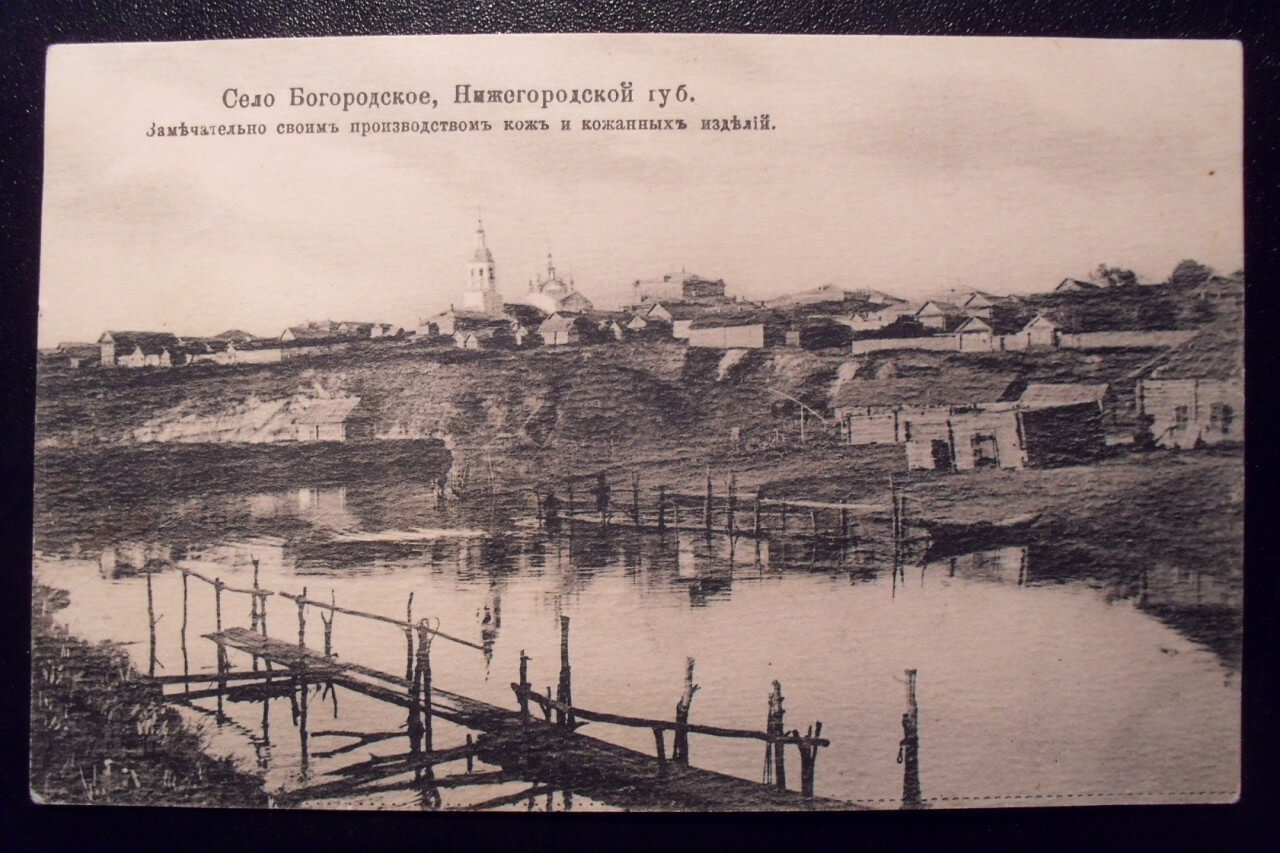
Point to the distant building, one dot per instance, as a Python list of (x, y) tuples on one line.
[(677, 288), (342, 419), (962, 418), (563, 328), (140, 349), (740, 330), (481, 294), (678, 315), (940, 316), (78, 355), (551, 293), (1195, 394)]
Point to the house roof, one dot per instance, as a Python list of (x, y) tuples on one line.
[(737, 318), (973, 324), (79, 350), (952, 385), (327, 411), (940, 307), (1216, 353), (151, 343), (1077, 284), (236, 335), (1049, 395), (529, 315), (680, 310), (559, 322)]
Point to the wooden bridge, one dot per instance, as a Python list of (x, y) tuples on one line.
[(544, 748)]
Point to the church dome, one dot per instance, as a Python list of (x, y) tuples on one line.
[(483, 255)]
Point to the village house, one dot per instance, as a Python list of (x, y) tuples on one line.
[(340, 419), (963, 418), (77, 355), (681, 288), (980, 304), (940, 316), (742, 330), (818, 333), (140, 349), (1195, 393), (563, 328), (678, 315), (495, 336)]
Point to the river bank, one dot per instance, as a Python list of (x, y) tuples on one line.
[(102, 734)]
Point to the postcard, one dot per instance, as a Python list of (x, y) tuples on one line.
[(640, 422)]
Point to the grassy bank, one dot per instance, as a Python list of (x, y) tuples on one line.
[(101, 734)]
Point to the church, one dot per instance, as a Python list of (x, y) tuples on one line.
[(551, 293), (481, 294)]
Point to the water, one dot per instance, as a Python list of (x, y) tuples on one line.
[(1102, 688)]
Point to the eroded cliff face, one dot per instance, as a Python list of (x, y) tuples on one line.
[(633, 399)]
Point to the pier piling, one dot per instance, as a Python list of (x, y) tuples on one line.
[(564, 694)]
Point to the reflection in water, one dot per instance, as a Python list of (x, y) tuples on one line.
[(1036, 673)]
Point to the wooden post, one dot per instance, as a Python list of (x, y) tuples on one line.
[(909, 749), (217, 604), (756, 526), (424, 680), (813, 522), (809, 760), (564, 695), (661, 745), (523, 695), (151, 625), (470, 753), (182, 636), (775, 729), (680, 745), (635, 498), (706, 511), (783, 525), (731, 513), (408, 640), (262, 615), (662, 508), (328, 626), (302, 620)]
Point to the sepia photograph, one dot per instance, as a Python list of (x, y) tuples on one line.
[(589, 423)]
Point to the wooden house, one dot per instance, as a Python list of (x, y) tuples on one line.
[(939, 316), (563, 328), (341, 419), (140, 349), (1195, 393), (738, 330)]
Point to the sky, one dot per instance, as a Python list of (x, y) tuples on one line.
[(906, 164)]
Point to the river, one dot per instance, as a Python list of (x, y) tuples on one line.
[(1105, 687)]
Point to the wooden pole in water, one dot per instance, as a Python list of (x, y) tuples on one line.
[(424, 671), (151, 624), (756, 525), (523, 695), (809, 760), (662, 508), (217, 604), (706, 511), (661, 745), (564, 695), (680, 745), (302, 620), (732, 511), (182, 636), (408, 639), (775, 729), (909, 749)]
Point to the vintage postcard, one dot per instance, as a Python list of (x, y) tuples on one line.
[(640, 422)]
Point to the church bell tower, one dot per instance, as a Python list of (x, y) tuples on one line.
[(481, 293)]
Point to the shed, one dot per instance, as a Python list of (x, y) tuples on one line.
[(340, 419)]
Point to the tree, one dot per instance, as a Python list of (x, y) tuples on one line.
[(1190, 273), (1113, 276)]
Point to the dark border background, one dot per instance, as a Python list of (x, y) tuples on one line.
[(26, 30)]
